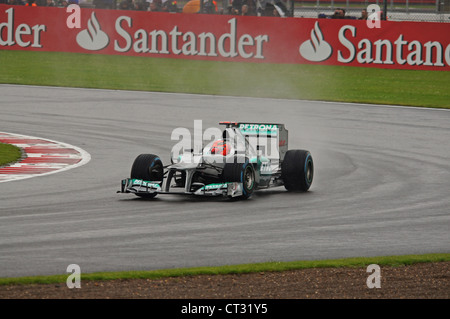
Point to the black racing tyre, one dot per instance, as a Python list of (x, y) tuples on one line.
[(148, 167), (297, 170), (243, 173)]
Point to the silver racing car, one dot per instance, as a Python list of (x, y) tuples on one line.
[(247, 157)]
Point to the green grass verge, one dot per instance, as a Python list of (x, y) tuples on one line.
[(308, 82), (9, 154), (394, 261)]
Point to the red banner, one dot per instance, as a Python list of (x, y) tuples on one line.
[(399, 45)]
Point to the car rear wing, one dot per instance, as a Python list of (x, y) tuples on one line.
[(264, 130)]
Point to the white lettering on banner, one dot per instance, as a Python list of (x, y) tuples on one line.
[(16, 36), (347, 44), (447, 54), (124, 34), (157, 42), (431, 53), (212, 44)]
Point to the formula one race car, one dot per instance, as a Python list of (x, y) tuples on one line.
[(247, 157)]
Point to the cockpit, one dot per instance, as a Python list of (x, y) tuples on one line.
[(231, 142)]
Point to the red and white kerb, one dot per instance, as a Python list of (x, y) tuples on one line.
[(41, 157)]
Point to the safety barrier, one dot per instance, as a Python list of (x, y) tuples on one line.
[(368, 43)]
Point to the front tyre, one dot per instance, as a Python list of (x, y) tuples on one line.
[(147, 167), (243, 173), (297, 170)]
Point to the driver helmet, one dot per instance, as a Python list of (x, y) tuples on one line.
[(220, 147)]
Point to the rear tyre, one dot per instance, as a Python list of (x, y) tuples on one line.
[(297, 170), (243, 173), (147, 167)]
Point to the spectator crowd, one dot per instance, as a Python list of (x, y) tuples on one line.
[(40, 3), (275, 8), (340, 13)]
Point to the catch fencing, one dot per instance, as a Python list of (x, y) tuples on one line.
[(394, 10)]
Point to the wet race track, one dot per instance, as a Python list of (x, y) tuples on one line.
[(381, 184)]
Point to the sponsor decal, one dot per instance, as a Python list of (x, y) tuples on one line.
[(188, 43), (214, 186), (385, 51), (316, 49), (23, 35), (93, 38), (267, 129), (142, 183)]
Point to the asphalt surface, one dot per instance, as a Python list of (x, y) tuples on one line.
[(381, 187)]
